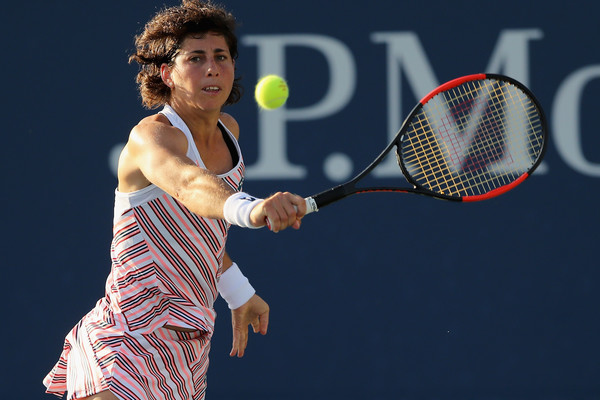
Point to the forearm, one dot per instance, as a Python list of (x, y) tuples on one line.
[(207, 195), (203, 193), (227, 262)]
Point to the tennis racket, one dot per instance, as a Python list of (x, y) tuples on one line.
[(471, 139)]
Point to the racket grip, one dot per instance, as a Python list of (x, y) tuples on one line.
[(311, 206)]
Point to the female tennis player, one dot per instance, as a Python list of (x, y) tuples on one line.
[(179, 190)]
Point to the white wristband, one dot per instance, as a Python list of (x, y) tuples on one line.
[(234, 287), (237, 209)]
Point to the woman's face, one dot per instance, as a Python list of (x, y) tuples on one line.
[(203, 72)]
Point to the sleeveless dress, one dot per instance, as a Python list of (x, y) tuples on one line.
[(165, 265)]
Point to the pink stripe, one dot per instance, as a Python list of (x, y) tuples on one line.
[(177, 262)]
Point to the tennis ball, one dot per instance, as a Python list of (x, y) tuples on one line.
[(271, 92)]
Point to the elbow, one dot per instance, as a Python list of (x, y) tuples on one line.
[(182, 189)]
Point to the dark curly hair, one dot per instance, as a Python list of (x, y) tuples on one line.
[(162, 37)]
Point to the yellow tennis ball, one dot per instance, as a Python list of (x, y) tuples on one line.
[(271, 92)]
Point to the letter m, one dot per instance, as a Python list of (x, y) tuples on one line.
[(407, 59)]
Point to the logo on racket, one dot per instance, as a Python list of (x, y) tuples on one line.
[(486, 128)]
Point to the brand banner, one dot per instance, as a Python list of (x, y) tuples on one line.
[(379, 296)]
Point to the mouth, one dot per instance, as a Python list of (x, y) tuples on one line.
[(211, 89)]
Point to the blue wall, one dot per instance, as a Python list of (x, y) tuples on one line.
[(379, 296)]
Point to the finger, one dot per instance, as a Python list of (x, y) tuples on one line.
[(274, 222), (264, 323), (234, 348), (276, 218), (256, 324), (240, 341), (297, 224), (300, 205), (238, 349), (289, 209)]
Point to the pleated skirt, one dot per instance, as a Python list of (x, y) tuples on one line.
[(164, 364)]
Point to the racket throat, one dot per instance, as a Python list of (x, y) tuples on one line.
[(331, 195)]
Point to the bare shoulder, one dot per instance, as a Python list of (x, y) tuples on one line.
[(231, 124), (153, 124), (150, 141), (156, 129)]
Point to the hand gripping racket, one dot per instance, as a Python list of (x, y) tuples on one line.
[(471, 139)]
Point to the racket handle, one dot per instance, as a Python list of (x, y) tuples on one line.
[(311, 206)]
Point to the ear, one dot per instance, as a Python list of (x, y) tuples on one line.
[(165, 74)]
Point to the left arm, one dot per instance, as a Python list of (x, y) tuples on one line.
[(254, 312)]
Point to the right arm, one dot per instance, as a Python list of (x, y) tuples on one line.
[(156, 153)]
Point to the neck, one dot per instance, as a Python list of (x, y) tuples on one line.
[(201, 123)]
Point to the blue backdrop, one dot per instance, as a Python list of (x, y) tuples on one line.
[(379, 296)]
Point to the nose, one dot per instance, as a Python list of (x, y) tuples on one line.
[(212, 68)]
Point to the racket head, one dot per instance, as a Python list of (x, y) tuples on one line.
[(472, 138)]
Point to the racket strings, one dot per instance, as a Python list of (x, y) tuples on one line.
[(428, 157), (473, 138), (489, 148)]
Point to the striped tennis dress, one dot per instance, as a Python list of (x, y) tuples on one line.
[(165, 265)]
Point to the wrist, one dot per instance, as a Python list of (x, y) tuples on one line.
[(237, 209), (234, 287)]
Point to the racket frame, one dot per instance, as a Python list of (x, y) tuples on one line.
[(336, 193)]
